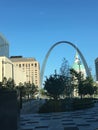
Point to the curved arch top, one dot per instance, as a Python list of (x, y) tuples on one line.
[(75, 47)]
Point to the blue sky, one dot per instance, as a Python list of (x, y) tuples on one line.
[(33, 26)]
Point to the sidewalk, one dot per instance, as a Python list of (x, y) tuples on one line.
[(31, 107), (78, 120)]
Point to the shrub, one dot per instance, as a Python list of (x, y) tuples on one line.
[(67, 104), (82, 103)]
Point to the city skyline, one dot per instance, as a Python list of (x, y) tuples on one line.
[(32, 27)]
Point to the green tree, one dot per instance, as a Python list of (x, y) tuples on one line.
[(84, 85), (55, 86), (88, 86), (10, 83), (64, 69), (42, 92), (59, 84), (22, 89), (77, 81), (34, 90), (4, 82), (27, 89), (30, 89), (65, 72)]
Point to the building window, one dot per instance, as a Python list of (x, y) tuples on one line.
[(35, 65), (36, 81), (19, 65)]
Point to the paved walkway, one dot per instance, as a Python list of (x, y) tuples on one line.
[(31, 106), (78, 120)]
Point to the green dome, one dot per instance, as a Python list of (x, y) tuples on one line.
[(77, 65)]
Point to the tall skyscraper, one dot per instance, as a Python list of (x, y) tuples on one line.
[(30, 66), (4, 46), (96, 68)]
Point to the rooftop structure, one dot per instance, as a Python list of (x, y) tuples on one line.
[(21, 58)]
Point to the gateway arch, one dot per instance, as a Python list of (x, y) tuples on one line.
[(49, 51)]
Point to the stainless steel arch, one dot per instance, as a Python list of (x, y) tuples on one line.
[(48, 53)]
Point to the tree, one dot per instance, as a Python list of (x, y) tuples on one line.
[(22, 89), (65, 72), (55, 86), (64, 69), (42, 92), (4, 82), (34, 90), (84, 85), (78, 81), (88, 86), (10, 83), (30, 89), (59, 84), (75, 81)]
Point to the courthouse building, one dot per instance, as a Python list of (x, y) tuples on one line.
[(78, 67)]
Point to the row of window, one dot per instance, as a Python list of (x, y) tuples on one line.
[(27, 65), (29, 72)]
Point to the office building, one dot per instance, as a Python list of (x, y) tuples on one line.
[(96, 68), (8, 70), (18, 68), (30, 66), (4, 46)]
